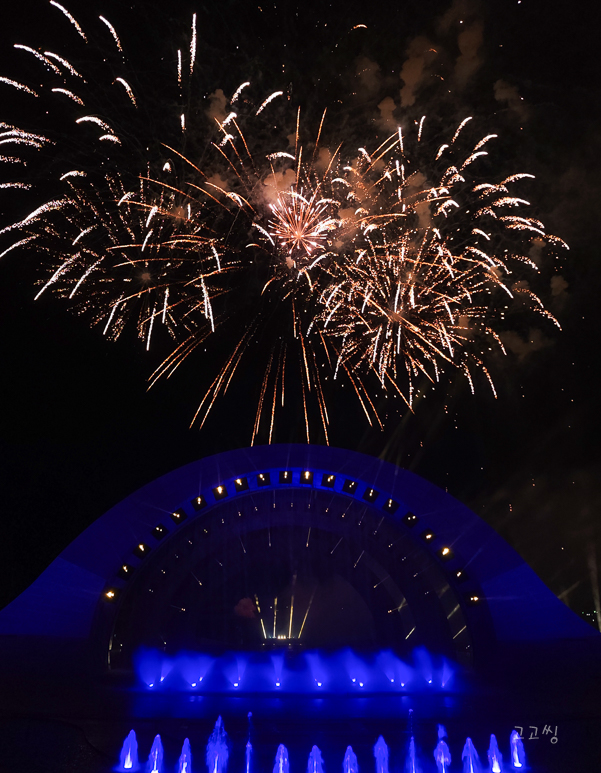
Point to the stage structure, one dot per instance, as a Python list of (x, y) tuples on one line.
[(333, 596), (284, 547)]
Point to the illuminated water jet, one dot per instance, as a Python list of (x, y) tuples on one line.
[(381, 755), (217, 749), (155, 759), (185, 760), (495, 758), (129, 754)]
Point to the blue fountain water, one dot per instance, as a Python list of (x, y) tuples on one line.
[(217, 751), (350, 764), (185, 760), (518, 755), (315, 762), (442, 756), (217, 755), (381, 755), (411, 763), (471, 761), (495, 758), (129, 754), (281, 760), (155, 760), (249, 748), (337, 672)]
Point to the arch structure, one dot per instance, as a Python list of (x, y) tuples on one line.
[(293, 545)]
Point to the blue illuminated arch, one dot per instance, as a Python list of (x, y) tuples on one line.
[(77, 597)]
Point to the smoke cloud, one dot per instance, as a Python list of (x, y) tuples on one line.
[(218, 106), (505, 92), (469, 61), (420, 54)]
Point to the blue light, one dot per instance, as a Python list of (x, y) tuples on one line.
[(188, 671)]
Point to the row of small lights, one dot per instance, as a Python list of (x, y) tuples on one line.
[(285, 477), (278, 682)]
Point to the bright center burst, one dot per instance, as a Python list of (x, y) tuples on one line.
[(301, 226)]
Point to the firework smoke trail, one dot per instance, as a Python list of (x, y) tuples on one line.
[(379, 267)]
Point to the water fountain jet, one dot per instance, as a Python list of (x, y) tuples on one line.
[(381, 755), (185, 760), (128, 759), (155, 759), (281, 760), (315, 762), (495, 758), (350, 764), (471, 761), (518, 755), (442, 755), (217, 751)]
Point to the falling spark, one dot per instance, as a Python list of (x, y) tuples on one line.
[(268, 100), (127, 88), (71, 19), (113, 33), (17, 85), (193, 45)]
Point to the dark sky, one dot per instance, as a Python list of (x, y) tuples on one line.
[(79, 430)]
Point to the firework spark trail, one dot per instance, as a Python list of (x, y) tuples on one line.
[(376, 270)]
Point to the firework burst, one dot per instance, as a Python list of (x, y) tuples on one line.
[(362, 266)]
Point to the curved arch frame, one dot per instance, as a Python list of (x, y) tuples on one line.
[(77, 597)]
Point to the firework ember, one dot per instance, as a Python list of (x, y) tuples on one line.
[(384, 269)]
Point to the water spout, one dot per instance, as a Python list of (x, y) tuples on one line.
[(442, 756), (128, 759), (495, 758), (315, 763), (281, 760), (518, 755), (411, 763), (155, 760), (185, 760), (350, 764), (249, 748), (381, 755), (217, 751), (471, 761)]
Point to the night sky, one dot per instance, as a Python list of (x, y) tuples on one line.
[(79, 430)]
